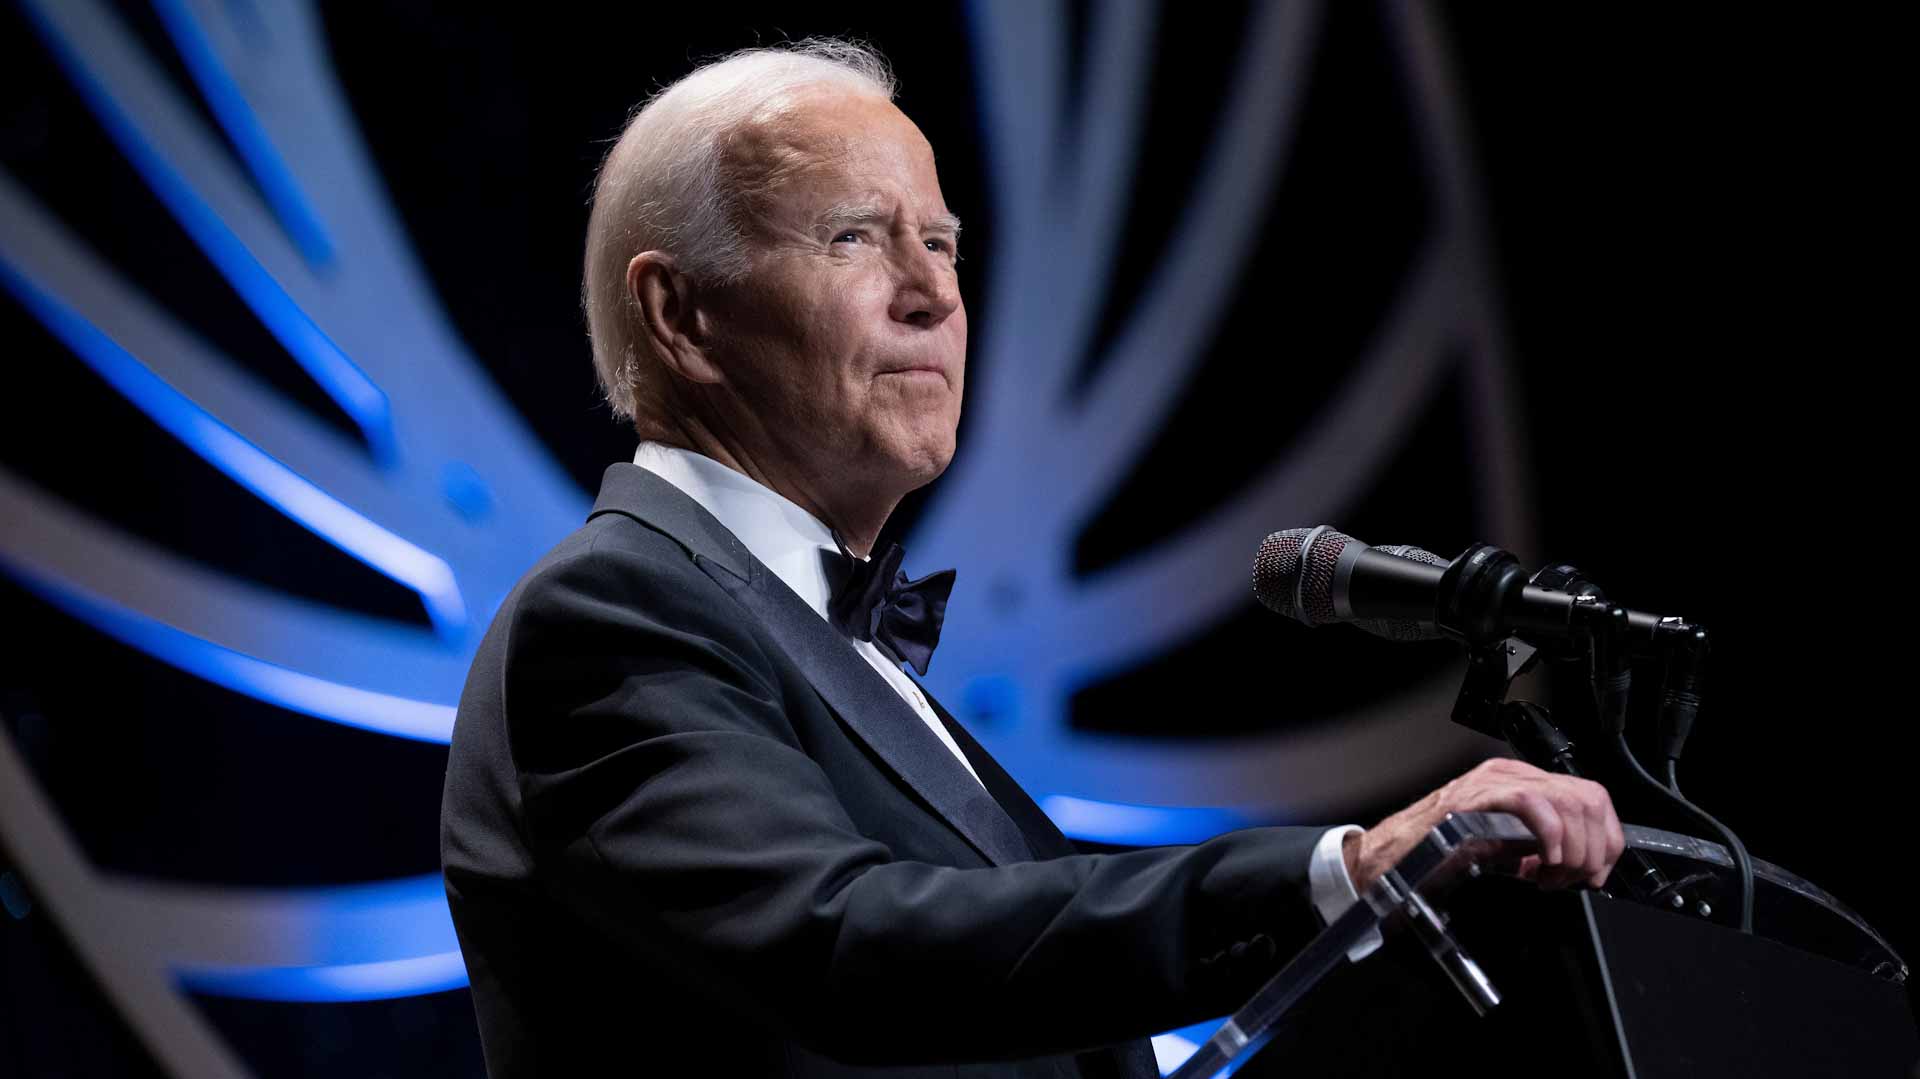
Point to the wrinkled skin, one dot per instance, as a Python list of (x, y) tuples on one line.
[(1580, 835), (832, 372)]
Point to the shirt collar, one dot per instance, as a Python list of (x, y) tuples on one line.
[(784, 537)]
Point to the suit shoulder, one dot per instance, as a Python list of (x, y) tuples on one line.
[(607, 541), (616, 572)]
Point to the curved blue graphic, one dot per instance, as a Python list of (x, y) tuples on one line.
[(229, 106), (246, 464), (381, 980), (457, 497), (1124, 824), (339, 376)]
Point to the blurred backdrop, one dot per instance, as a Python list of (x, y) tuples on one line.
[(299, 386)]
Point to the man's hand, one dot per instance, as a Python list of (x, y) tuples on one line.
[(1580, 837)]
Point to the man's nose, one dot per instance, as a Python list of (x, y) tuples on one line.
[(927, 292)]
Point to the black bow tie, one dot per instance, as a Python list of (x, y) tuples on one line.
[(874, 601)]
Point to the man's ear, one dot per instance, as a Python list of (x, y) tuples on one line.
[(670, 318)]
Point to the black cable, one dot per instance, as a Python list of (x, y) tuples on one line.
[(1673, 778), (1741, 861), (1612, 673)]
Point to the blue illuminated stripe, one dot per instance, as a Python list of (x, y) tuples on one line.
[(363, 941), (1170, 1050), (229, 106), (246, 463), (342, 982), (305, 342), (402, 717), (1126, 825)]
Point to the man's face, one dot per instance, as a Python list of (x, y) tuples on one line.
[(846, 341)]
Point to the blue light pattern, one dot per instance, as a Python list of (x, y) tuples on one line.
[(246, 463), (1001, 500)]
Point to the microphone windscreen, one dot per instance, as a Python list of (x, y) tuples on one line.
[(1276, 570), (1293, 572)]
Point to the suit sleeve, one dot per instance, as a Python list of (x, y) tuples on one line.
[(671, 806)]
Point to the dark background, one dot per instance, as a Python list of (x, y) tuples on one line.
[(1692, 234)]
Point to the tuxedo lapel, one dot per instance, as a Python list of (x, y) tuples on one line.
[(873, 711), (1042, 837), (857, 693)]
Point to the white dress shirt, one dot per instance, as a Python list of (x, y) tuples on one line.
[(788, 540)]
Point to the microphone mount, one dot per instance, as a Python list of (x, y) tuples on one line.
[(1483, 706)]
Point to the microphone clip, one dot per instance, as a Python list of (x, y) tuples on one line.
[(1491, 671)]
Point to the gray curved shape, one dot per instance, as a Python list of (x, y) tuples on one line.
[(1185, 298), (1014, 467), (445, 413), (1020, 90), (1024, 489), (444, 408), (1051, 279), (1498, 427), (1178, 587), (57, 261), (1042, 632), (1180, 583), (399, 678), (189, 926), (64, 274), (110, 947), (1061, 188)]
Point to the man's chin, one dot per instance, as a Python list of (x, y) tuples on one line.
[(925, 463), (930, 470)]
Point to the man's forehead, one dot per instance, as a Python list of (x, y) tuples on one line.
[(827, 125), (840, 158)]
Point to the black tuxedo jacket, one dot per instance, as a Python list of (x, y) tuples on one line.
[(687, 830)]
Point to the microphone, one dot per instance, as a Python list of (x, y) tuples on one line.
[(1281, 585), (1320, 575)]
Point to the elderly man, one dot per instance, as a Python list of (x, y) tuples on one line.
[(698, 819)]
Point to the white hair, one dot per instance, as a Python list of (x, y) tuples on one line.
[(663, 185)]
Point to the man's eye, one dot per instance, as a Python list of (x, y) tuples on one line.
[(849, 236), (943, 247)]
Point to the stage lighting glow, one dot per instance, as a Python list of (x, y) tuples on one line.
[(1137, 825), (1170, 1050), (347, 981), (403, 717), (229, 106), (339, 376), (247, 464)]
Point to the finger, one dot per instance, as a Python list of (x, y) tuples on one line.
[(1543, 820), (1599, 858), (1616, 837), (1529, 868), (1556, 878), (1571, 803)]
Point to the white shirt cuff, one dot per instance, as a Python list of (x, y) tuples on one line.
[(1332, 890)]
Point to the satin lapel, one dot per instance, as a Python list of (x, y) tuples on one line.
[(876, 714), (634, 492), (1043, 838), (854, 690)]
